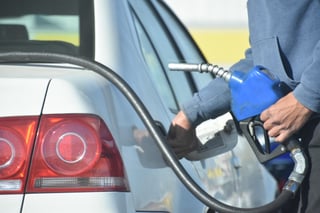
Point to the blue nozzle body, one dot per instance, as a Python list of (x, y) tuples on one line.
[(253, 92)]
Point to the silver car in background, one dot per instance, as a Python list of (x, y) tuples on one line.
[(71, 142)]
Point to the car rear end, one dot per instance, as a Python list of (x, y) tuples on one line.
[(81, 140), (57, 152)]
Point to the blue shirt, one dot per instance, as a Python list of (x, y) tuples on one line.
[(284, 38)]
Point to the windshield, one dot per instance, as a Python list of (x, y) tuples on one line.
[(46, 25)]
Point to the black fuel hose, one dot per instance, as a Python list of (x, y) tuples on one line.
[(172, 160)]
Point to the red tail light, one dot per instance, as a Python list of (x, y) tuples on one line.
[(75, 153), (16, 141)]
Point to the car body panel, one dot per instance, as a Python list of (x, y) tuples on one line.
[(31, 97), (78, 202), (11, 203), (90, 98)]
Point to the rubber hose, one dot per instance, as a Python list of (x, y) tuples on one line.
[(145, 116)]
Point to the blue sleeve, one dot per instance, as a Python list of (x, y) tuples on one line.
[(210, 102), (245, 64), (308, 91)]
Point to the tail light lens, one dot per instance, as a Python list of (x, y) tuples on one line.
[(75, 153), (16, 140)]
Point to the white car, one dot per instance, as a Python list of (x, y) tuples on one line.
[(69, 139)]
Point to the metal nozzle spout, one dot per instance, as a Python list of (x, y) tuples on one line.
[(208, 68)]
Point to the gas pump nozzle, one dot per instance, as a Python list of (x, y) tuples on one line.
[(251, 93), (206, 68)]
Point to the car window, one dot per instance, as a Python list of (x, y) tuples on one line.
[(156, 70), (190, 51), (57, 26), (164, 50), (47, 27)]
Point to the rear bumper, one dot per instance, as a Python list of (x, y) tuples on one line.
[(10, 203), (96, 202)]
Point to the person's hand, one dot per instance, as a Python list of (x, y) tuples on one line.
[(285, 117), (181, 136)]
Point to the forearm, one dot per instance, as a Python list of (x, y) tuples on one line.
[(210, 102), (308, 91)]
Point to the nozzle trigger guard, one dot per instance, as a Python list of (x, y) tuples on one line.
[(253, 130)]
